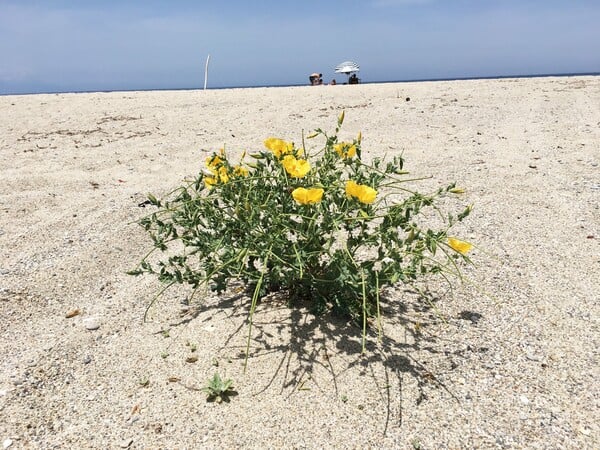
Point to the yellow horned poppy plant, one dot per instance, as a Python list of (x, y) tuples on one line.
[(278, 146), (461, 247), (309, 223), (297, 168), (363, 193), (307, 196)]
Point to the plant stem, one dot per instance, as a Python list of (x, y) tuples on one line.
[(156, 297), (379, 327), (253, 307), (364, 308)]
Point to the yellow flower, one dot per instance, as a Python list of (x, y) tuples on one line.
[(209, 182), (345, 149), (367, 194), (351, 188), (363, 193), (240, 171), (220, 175), (279, 147), (307, 196), (297, 168), (212, 162), (461, 247), (223, 175)]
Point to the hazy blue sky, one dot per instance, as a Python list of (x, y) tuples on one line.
[(153, 44)]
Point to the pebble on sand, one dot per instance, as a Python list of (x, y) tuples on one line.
[(72, 313), (91, 323)]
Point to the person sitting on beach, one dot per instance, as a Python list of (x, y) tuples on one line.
[(316, 79), (353, 79), (333, 82)]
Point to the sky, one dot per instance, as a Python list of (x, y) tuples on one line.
[(89, 45)]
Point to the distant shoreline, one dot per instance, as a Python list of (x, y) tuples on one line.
[(416, 80)]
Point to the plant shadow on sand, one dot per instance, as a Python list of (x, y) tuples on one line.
[(324, 351)]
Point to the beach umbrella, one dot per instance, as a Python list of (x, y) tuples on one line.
[(347, 67)]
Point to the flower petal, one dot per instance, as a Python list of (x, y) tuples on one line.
[(363, 193), (345, 149), (297, 168), (240, 171), (366, 194), (461, 247), (278, 146), (307, 196), (351, 188)]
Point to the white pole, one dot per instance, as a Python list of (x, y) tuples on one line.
[(206, 71)]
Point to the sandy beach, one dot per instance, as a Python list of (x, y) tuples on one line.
[(509, 360)]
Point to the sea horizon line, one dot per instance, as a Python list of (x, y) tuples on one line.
[(195, 88)]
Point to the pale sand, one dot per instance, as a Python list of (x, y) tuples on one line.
[(519, 370)]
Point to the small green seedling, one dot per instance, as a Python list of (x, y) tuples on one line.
[(218, 390), (416, 443), (193, 346)]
